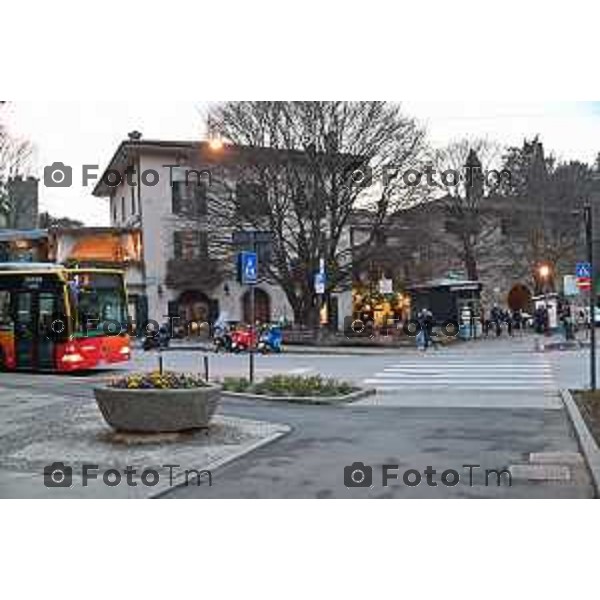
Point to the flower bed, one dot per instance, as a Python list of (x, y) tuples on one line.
[(290, 385), (168, 380)]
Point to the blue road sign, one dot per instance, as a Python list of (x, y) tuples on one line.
[(248, 268), (583, 270), (320, 282)]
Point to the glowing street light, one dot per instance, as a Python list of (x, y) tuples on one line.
[(544, 272), (216, 144)]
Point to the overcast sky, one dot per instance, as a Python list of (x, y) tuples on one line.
[(84, 132)]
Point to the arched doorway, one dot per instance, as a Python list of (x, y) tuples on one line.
[(519, 297), (194, 306), (262, 306)]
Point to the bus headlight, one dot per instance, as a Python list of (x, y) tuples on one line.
[(72, 358)]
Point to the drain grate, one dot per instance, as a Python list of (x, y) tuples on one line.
[(540, 472), (556, 458)]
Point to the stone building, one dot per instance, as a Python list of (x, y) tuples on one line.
[(22, 204), (420, 244)]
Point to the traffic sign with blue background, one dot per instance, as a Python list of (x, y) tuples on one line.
[(248, 268), (583, 269), (320, 283)]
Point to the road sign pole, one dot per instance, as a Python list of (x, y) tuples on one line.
[(252, 317), (589, 230), (248, 275)]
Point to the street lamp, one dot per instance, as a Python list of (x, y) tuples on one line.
[(589, 238), (544, 273), (216, 144)]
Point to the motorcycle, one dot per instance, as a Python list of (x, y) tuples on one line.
[(222, 341), (270, 340), (160, 341)]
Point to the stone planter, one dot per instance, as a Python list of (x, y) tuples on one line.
[(157, 411)]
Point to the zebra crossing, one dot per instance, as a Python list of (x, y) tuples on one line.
[(473, 371)]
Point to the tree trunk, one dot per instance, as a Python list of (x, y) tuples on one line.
[(470, 262)]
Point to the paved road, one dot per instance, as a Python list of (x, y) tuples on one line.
[(491, 403)]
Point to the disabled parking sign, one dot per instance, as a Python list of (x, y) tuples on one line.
[(248, 268)]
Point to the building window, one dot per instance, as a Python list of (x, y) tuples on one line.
[(114, 210), (190, 245), (251, 200), (133, 211), (123, 208), (380, 239), (189, 199)]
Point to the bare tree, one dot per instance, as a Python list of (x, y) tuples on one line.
[(14, 158), (302, 171)]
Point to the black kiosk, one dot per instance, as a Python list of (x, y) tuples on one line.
[(450, 300)]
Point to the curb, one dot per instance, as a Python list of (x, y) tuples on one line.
[(315, 400), (317, 351), (587, 443), (216, 464)]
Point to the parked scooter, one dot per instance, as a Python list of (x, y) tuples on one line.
[(242, 340), (270, 340), (222, 340)]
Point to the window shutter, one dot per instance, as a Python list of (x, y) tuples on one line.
[(203, 244), (176, 197), (177, 244)]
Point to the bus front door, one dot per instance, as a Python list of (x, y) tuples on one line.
[(25, 330), (34, 312)]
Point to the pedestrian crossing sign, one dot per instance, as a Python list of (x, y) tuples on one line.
[(583, 270)]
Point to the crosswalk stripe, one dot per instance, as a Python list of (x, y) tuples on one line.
[(506, 367), (465, 368), (455, 376), (466, 373)]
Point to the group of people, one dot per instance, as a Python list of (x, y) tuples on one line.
[(498, 318)]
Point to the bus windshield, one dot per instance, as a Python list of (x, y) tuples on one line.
[(98, 302)]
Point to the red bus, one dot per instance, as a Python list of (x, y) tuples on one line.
[(57, 319)]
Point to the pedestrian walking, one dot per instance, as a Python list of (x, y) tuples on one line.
[(496, 318), (509, 323), (425, 321)]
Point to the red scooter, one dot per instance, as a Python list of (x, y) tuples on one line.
[(242, 340)]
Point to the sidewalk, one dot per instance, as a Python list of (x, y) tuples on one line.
[(309, 350), (325, 349)]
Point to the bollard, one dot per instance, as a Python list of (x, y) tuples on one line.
[(251, 366), (206, 369), (160, 363)]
